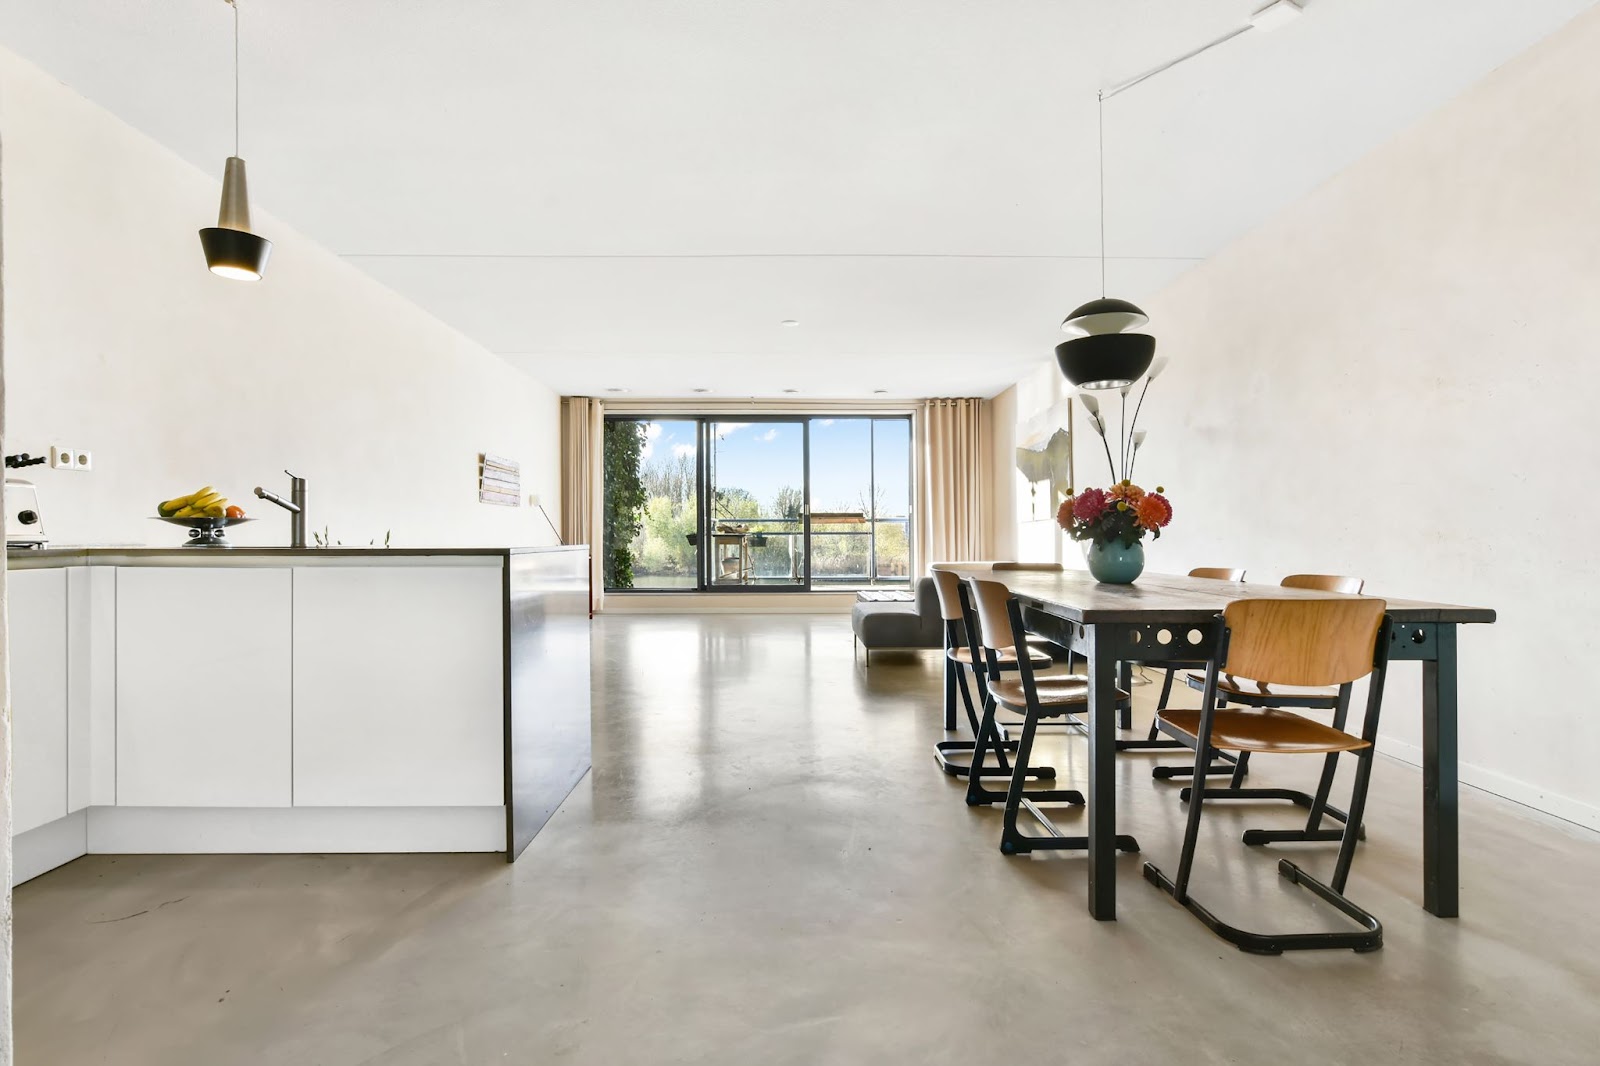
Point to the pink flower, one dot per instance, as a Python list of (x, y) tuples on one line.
[(1091, 504)]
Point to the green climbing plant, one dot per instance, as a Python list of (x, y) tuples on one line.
[(625, 498)]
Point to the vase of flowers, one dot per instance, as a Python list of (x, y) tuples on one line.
[(1113, 522)]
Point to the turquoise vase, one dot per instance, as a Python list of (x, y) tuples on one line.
[(1113, 564)]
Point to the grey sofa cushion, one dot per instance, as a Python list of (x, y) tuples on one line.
[(901, 625)]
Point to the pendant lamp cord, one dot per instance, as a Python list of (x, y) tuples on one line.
[(1100, 121), (235, 5)]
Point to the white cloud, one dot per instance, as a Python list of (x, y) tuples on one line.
[(652, 430), (825, 421), (771, 434), (683, 451), (725, 429)]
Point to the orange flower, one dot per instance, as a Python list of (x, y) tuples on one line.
[(1127, 490), (1153, 511)]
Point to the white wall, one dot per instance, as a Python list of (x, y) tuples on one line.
[(1396, 378), (120, 342), (5, 689)]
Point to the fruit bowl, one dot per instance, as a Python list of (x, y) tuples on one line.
[(205, 532)]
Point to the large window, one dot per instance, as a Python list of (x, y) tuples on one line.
[(765, 503)]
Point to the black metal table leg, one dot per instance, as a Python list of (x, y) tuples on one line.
[(1100, 648), (1441, 859)]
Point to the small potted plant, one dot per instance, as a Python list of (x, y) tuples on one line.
[(1114, 521)]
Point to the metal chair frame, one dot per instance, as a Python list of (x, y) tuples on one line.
[(1017, 797), (955, 679), (1370, 938)]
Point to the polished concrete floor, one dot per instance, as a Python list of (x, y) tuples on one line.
[(766, 868)]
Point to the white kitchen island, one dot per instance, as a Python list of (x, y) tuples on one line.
[(282, 700)]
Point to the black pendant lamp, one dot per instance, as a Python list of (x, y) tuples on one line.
[(1102, 353), (232, 251)]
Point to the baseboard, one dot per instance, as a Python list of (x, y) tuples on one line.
[(293, 830), (43, 848), (1564, 807)]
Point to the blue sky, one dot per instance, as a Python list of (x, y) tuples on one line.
[(763, 457)]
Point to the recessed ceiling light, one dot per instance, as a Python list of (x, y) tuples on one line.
[(699, 390), (791, 390), (616, 389), (790, 323), (880, 392)]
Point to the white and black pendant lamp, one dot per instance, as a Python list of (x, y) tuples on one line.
[(1103, 353), (232, 251)]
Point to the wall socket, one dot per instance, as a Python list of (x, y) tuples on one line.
[(65, 458)]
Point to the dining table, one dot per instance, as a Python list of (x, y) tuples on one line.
[(1167, 618)]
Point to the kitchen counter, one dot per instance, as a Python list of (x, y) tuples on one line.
[(259, 699), (111, 555)]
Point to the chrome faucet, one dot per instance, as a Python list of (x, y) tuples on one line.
[(295, 505)]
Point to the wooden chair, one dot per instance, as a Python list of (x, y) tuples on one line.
[(1232, 689), (960, 655), (1291, 642), (1057, 652), (1000, 626), (1153, 741), (1257, 694)]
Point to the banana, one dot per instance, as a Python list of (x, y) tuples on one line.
[(206, 503), (169, 508)]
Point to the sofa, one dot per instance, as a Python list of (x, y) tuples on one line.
[(899, 625)]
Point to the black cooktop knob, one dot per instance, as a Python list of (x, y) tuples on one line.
[(28, 518)]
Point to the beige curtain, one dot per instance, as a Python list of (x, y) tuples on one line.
[(582, 494), (952, 487)]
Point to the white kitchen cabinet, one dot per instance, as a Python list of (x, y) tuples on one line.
[(91, 687), (399, 695), (38, 652), (203, 686)]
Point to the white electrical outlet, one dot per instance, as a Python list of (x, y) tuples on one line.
[(61, 457), (533, 499), (83, 460)]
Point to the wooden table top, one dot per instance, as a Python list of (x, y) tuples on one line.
[(1076, 595)]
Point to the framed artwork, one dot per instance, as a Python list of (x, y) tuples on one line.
[(1044, 461)]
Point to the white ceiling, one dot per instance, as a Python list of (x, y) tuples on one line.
[(635, 194)]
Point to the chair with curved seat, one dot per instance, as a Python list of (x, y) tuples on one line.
[(1250, 692), (1233, 690), (999, 626), (1320, 642), (960, 656)]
